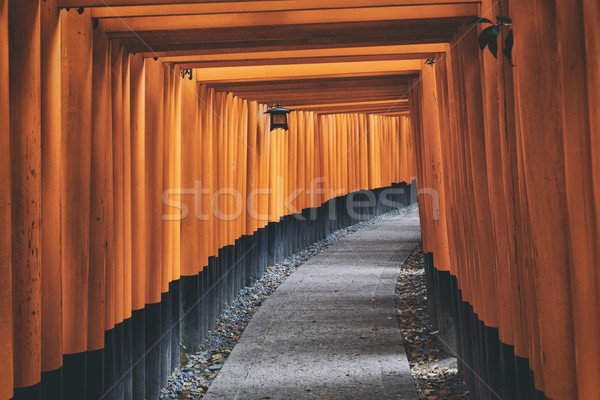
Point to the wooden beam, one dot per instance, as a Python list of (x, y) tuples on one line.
[(253, 6), (307, 54), (307, 37), (313, 60), (131, 6), (381, 103), (365, 110), (313, 101), (318, 84), (267, 18), (272, 72), (387, 106), (321, 96)]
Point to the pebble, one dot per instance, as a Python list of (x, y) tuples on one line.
[(435, 372), (199, 369)]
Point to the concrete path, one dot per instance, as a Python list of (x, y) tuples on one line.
[(330, 330)]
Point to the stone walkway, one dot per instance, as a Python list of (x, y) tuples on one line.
[(330, 330)]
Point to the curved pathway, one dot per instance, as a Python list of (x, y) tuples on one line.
[(330, 330)]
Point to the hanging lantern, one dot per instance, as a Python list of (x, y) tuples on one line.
[(278, 117)]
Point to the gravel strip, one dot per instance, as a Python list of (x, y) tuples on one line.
[(434, 371), (199, 369)]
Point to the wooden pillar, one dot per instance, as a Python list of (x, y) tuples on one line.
[(52, 338), (138, 181), (591, 19), (6, 341), (51, 169), (260, 199), (178, 172), (116, 76), (579, 187), (434, 168), (115, 312), (98, 196), (190, 262), (26, 188), (138, 222), (127, 228), (99, 272), (252, 171), (168, 179), (544, 160), (76, 31), (154, 115), (190, 143)]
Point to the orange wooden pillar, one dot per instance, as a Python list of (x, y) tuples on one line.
[(167, 182), (76, 39), (218, 203), (6, 341), (127, 189), (293, 161), (52, 340), (579, 187), (476, 147), (190, 224), (26, 191), (243, 172), (138, 181), (138, 219), (210, 145), (154, 120), (202, 198), (153, 173), (178, 171), (263, 144), (252, 171), (116, 75), (591, 12), (170, 282), (494, 149), (544, 159), (100, 270), (434, 167), (114, 350)]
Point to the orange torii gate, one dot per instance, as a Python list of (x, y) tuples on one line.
[(104, 147), (110, 152)]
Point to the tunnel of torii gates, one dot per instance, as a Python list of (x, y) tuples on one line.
[(106, 147)]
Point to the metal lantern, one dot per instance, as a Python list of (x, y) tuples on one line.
[(278, 117)]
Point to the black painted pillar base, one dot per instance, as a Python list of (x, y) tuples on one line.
[(174, 323), (75, 376), (138, 349), (165, 338), (127, 358), (189, 312), (29, 393), (110, 364), (152, 354), (52, 384), (490, 367)]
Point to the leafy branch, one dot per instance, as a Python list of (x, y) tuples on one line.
[(489, 36)]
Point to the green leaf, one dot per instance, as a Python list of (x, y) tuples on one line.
[(478, 20), (489, 38), (503, 20)]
